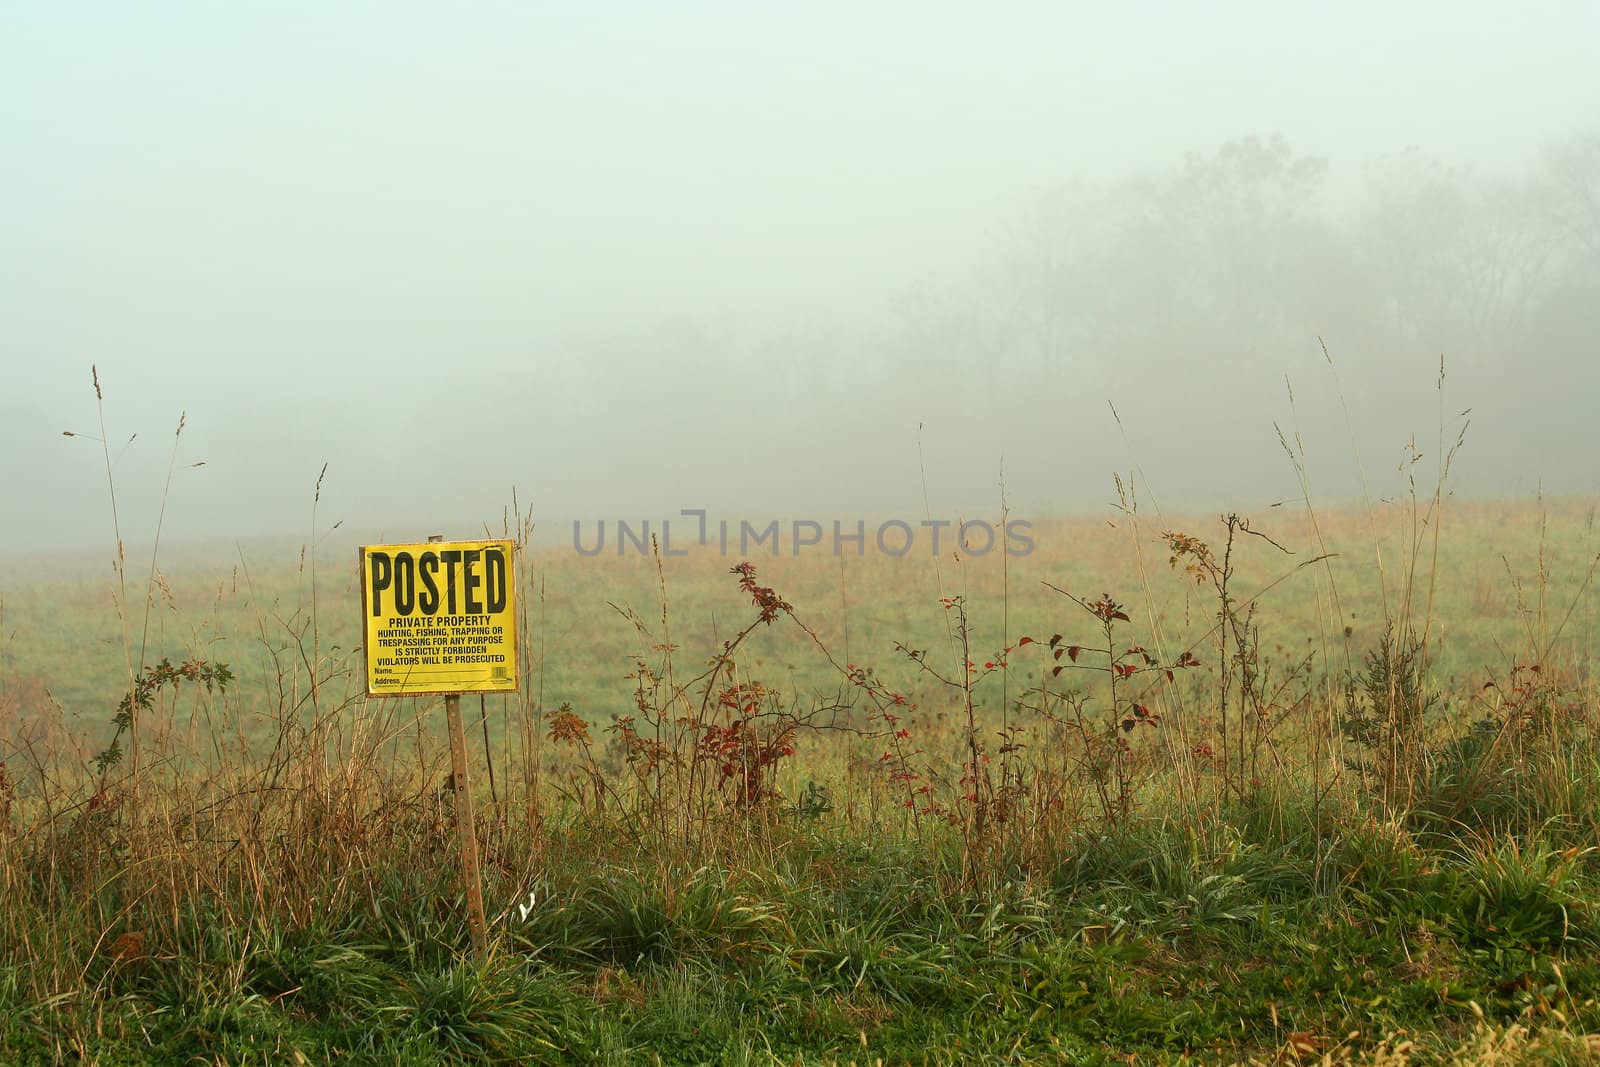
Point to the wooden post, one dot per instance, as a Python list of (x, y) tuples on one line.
[(466, 822), (466, 828)]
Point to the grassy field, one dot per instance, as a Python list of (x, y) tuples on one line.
[(1508, 574), (1292, 788)]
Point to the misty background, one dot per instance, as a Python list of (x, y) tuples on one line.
[(777, 261)]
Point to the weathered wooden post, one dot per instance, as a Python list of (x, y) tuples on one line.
[(466, 826)]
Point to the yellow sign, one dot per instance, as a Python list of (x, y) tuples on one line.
[(440, 617)]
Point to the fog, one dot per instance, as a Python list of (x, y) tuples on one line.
[(773, 261)]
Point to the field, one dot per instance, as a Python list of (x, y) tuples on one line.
[(1288, 787)]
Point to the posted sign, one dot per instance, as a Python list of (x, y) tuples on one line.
[(440, 617)]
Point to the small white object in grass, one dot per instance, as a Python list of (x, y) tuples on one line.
[(525, 908)]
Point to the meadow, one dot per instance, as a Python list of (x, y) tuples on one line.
[(1293, 786)]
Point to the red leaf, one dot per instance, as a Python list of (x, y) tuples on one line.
[(1073, 651)]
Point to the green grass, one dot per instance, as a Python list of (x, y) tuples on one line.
[(1363, 858), (1160, 941)]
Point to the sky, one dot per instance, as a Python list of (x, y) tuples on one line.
[(761, 259)]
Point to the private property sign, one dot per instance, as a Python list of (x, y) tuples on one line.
[(439, 617)]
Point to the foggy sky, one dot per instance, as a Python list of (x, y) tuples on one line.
[(632, 258)]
